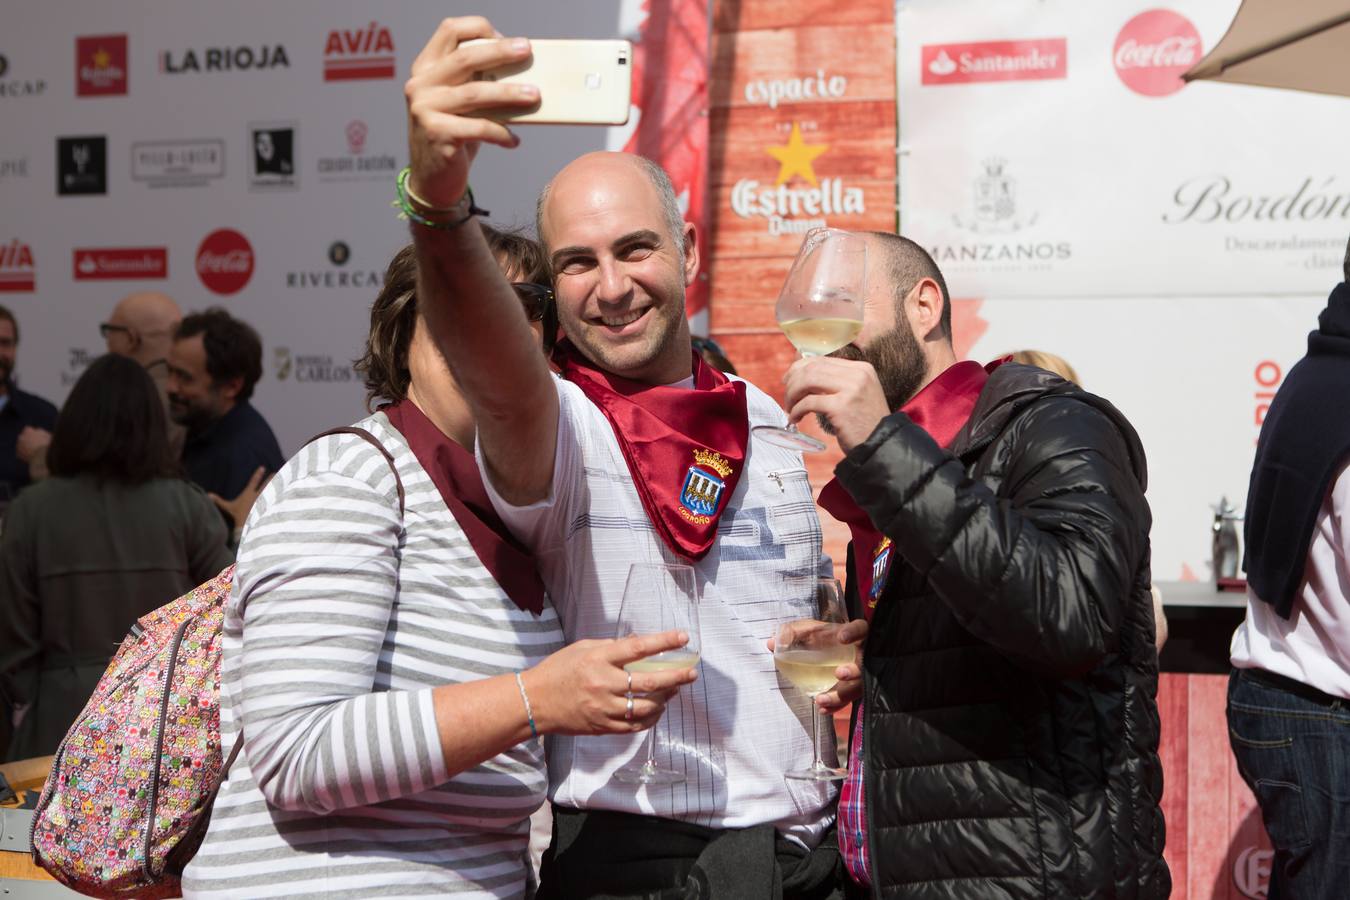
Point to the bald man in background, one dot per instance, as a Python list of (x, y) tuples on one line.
[(141, 327)]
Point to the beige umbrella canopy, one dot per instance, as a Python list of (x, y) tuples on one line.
[(1299, 44)]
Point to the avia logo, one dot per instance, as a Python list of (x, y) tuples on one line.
[(225, 261), (101, 65), (1152, 51), (785, 206), (363, 54), (1030, 60), (106, 263), (17, 271)]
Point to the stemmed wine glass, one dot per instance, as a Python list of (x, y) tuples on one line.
[(659, 597), (806, 653), (820, 309)]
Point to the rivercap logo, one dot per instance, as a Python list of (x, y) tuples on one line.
[(1029, 60), (994, 202), (339, 253), (225, 261), (101, 65), (1152, 51)]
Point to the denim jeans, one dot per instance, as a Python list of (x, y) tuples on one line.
[(1293, 750)]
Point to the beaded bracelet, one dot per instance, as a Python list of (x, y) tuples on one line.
[(407, 199), (529, 713)]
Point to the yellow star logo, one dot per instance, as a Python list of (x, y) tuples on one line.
[(795, 157), (102, 58)]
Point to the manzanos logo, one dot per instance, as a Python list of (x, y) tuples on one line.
[(225, 261), (1153, 49), (17, 270)]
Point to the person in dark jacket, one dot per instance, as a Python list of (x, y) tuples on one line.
[(110, 536), (214, 362), (1006, 740), (22, 416)]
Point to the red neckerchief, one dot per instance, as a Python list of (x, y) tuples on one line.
[(685, 448), (455, 474), (941, 409)]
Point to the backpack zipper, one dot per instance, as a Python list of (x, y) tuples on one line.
[(45, 799), (159, 745)]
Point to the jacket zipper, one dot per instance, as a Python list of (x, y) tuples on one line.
[(159, 745), (869, 801)]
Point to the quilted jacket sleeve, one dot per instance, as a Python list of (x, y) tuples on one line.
[(1040, 570)]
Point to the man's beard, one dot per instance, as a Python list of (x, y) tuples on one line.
[(899, 363)]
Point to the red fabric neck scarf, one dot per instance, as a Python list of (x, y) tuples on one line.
[(455, 474), (685, 448), (941, 409)]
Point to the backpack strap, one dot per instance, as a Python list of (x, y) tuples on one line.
[(374, 442), (389, 458)]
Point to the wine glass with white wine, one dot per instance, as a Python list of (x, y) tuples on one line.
[(806, 652), (659, 597), (820, 309)]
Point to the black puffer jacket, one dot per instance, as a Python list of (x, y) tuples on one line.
[(1011, 739)]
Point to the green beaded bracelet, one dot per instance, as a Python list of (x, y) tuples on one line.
[(404, 204)]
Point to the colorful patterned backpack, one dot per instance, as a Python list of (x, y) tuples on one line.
[(130, 791), (129, 796)]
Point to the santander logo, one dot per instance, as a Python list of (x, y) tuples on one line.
[(1035, 59), (225, 261), (1153, 49)]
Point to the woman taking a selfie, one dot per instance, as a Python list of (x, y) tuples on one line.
[(391, 661)]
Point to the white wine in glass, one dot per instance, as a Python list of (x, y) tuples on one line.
[(806, 651), (658, 597), (820, 308)]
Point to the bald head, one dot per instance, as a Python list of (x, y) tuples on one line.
[(602, 167), (144, 324)]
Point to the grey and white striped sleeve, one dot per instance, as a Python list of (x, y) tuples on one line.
[(318, 576)]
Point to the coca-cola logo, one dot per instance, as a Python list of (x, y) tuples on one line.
[(225, 261), (1152, 51)]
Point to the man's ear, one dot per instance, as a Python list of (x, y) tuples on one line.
[(924, 307), (230, 389), (690, 238)]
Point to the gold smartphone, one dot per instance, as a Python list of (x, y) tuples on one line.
[(580, 83)]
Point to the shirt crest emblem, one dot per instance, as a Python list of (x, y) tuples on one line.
[(704, 484)]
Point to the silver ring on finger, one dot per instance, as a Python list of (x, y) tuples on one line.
[(628, 712)]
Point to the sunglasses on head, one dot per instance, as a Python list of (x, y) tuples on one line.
[(535, 297)]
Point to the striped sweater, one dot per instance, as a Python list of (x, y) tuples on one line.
[(342, 622)]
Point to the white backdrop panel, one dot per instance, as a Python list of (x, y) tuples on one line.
[(310, 333)]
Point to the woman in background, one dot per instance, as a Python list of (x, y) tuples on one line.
[(113, 534)]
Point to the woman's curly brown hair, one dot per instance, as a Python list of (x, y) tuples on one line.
[(393, 316)]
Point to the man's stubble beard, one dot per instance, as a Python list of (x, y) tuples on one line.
[(899, 363)]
